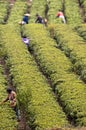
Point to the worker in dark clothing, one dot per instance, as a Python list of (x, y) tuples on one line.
[(39, 19)]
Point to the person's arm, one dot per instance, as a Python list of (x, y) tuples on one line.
[(5, 100)]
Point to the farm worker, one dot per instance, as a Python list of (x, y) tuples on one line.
[(26, 40), (25, 19), (13, 101), (39, 19), (61, 15)]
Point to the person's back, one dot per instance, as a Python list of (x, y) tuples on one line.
[(12, 98), (39, 19), (26, 40), (60, 14), (25, 19)]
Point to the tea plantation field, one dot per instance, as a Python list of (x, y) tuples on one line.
[(49, 76)]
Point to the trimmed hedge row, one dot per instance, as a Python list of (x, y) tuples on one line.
[(57, 67), (54, 7), (17, 12), (72, 12), (81, 29), (83, 3), (73, 46), (38, 7), (3, 10), (6, 113), (34, 93)]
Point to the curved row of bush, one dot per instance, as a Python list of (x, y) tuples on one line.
[(38, 7), (83, 3), (17, 12), (4, 5), (81, 29), (7, 116), (54, 7), (74, 47), (56, 66), (72, 12), (34, 93), (6, 113)]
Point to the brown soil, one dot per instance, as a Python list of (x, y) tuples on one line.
[(22, 123)]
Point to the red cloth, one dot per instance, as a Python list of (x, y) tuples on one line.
[(59, 14)]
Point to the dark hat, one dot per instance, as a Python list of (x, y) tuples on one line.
[(9, 90)]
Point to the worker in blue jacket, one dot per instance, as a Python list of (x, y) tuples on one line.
[(25, 19)]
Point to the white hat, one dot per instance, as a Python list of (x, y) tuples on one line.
[(27, 14)]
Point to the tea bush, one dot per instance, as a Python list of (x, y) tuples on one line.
[(4, 5), (54, 7), (17, 12), (73, 46), (57, 67), (72, 12), (38, 7), (6, 113), (36, 94)]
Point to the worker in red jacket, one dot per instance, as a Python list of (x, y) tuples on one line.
[(61, 15)]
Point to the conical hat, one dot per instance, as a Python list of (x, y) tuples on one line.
[(27, 14)]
